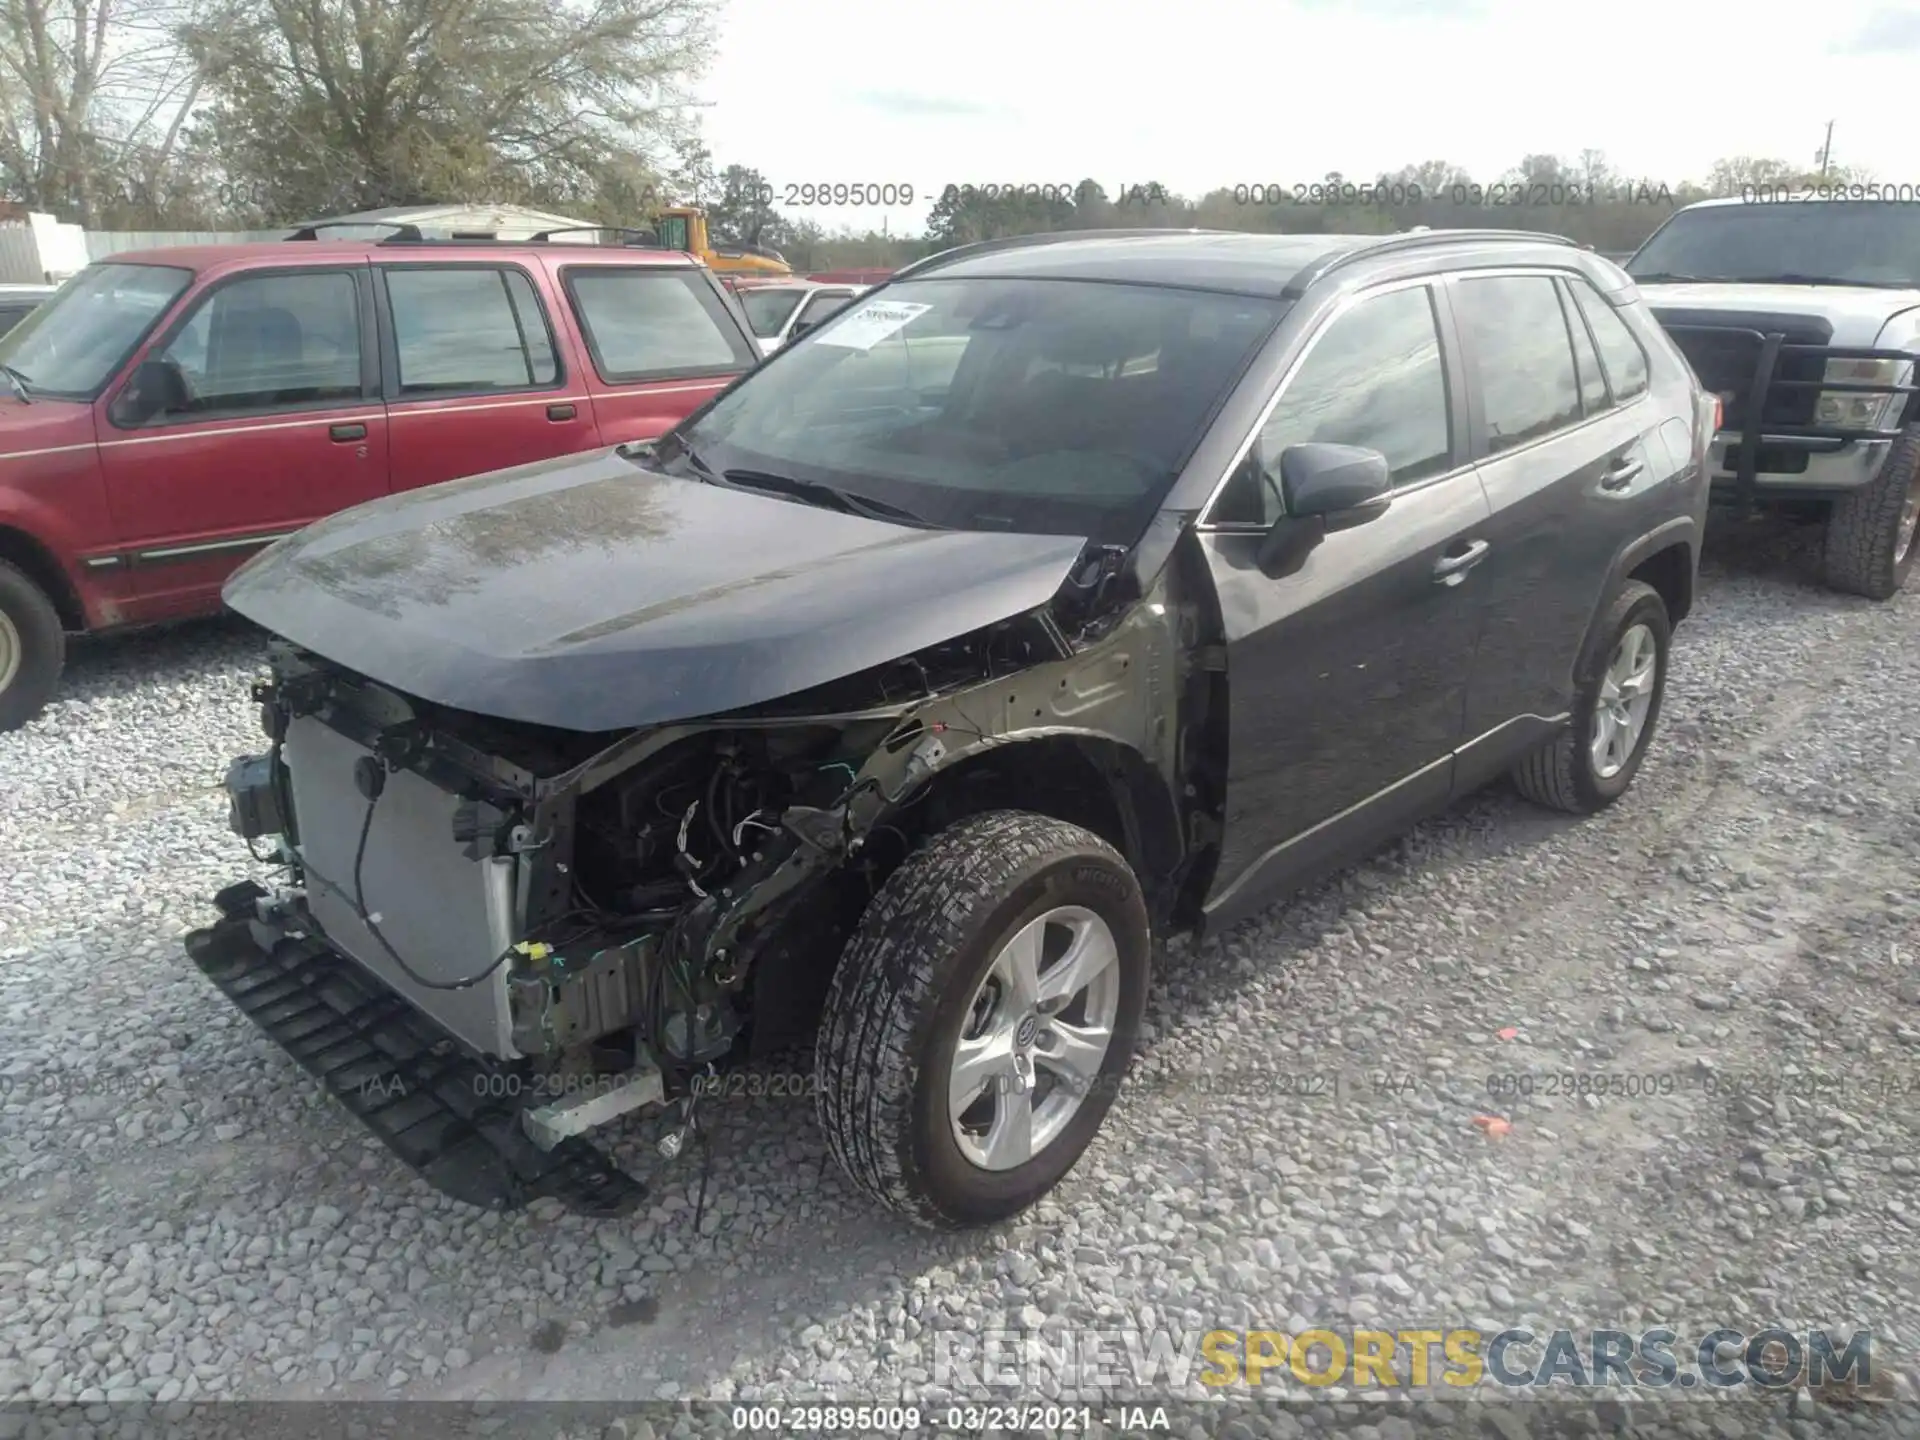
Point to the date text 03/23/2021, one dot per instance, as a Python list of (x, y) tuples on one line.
[(966, 1418)]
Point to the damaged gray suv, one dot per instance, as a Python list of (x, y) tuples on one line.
[(1061, 593)]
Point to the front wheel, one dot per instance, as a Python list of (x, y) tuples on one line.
[(1622, 678), (32, 648), (982, 1017), (1871, 531)]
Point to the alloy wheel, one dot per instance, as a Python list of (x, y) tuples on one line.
[(11, 650), (1909, 519), (1034, 1038), (1626, 697)]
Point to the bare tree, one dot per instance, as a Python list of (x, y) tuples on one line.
[(94, 96), (328, 105)]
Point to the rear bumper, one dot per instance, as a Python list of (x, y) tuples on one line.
[(454, 1117)]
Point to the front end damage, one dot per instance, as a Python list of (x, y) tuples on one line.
[(491, 937)]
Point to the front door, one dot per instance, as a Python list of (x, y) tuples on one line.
[(1348, 675), (269, 419)]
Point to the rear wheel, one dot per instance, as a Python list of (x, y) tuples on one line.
[(1870, 534), (33, 647), (1622, 678), (982, 1018)]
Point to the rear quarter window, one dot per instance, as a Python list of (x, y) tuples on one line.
[(654, 324), (1620, 353)]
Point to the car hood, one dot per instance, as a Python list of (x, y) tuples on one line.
[(41, 425), (1857, 313), (589, 594)]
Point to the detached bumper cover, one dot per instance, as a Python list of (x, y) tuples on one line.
[(435, 1105)]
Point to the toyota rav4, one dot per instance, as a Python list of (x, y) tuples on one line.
[(1063, 592)]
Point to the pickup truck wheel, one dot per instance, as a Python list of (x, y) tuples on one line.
[(1590, 764), (1870, 533), (981, 1018), (33, 647)]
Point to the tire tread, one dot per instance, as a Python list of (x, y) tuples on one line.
[(864, 1061), (1864, 525)]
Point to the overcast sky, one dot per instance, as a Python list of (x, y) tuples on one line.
[(1221, 92)]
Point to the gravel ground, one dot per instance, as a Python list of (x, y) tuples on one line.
[(184, 1216)]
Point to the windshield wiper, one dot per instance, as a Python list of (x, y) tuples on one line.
[(814, 492), (1667, 277), (18, 382)]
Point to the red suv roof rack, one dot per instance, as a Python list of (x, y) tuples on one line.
[(402, 231)]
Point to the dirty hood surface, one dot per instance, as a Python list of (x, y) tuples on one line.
[(589, 594)]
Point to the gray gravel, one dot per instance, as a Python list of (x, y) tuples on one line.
[(183, 1216)]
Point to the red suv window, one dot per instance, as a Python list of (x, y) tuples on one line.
[(262, 341), (655, 324), (462, 328)]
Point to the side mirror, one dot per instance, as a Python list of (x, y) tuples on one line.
[(1323, 487), (154, 389), (1332, 480), (801, 327)]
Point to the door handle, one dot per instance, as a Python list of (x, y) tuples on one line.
[(1622, 473), (1452, 569), (344, 433), (561, 412)]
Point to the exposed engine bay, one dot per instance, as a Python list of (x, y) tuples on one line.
[(592, 922)]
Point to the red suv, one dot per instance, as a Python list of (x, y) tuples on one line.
[(169, 412)]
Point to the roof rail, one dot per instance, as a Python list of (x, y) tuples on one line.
[(1411, 240), (1048, 237), (639, 239), (402, 230)]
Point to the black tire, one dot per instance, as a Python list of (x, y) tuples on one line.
[(1561, 774), (1864, 555), (42, 641), (900, 998)]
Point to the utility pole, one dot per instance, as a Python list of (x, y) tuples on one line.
[(1826, 151)]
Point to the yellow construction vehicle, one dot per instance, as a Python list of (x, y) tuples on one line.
[(684, 227)]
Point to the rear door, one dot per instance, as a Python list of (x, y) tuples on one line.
[(275, 421), (1348, 674), (660, 343), (475, 380), (1570, 463)]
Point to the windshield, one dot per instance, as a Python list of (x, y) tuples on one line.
[(72, 345), (1060, 407), (767, 310), (1863, 242)]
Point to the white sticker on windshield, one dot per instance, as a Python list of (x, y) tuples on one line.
[(873, 322)]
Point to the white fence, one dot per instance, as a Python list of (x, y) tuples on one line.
[(19, 256), (102, 243)]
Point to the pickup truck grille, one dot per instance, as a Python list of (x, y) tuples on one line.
[(1725, 351)]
